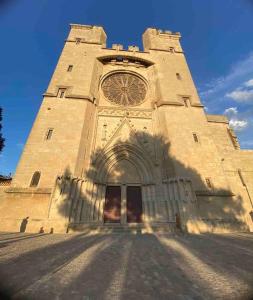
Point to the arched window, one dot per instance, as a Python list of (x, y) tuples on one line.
[(35, 179)]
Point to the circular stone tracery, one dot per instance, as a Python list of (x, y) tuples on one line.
[(124, 89)]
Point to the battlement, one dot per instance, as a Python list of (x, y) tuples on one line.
[(153, 39), (131, 48), (160, 31), (117, 47), (157, 39), (87, 34)]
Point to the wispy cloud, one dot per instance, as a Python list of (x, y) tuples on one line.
[(232, 95), (238, 125), (231, 111), (247, 143), (249, 83), (241, 96), (239, 73)]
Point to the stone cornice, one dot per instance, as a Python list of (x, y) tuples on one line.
[(164, 50), (197, 105), (29, 190), (176, 103), (214, 193), (217, 119), (70, 96), (84, 42)]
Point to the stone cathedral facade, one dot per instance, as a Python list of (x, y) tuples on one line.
[(122, 138)]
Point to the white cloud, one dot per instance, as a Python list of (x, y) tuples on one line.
[(239, 72), (234, 121), (241, 95), (238, 125), (231, 111), (249, 83)]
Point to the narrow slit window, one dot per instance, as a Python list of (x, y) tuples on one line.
[(209, 183), (186, 101), (78, 41), (195, 137), (35, 179), (178, 76), (61, 93), (49, 133), (70, 67)]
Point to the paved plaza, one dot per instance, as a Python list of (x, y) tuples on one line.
[(126, 266)]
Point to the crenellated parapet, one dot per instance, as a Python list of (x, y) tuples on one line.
[(87, 34), (155, 39)]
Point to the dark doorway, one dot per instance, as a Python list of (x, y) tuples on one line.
[(134, 204), (112, 204)]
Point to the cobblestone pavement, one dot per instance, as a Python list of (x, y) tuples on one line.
[(125, 266)]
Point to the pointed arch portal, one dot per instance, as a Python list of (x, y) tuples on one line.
[(123, 168)]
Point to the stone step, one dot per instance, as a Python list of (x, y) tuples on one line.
[(135, 228)]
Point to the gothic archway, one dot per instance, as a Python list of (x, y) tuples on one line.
[(128, 152), (123, 169)]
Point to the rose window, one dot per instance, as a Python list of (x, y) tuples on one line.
[(124, 89)]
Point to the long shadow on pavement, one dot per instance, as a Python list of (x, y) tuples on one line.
[(18, 273)]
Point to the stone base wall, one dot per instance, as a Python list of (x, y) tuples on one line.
[(17, 204)]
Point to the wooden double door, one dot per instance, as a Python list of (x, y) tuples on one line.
[(123, 207)]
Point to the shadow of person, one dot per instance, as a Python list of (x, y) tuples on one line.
[(23, 224), (41, 230)]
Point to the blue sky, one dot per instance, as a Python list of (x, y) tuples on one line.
[(217, 40)]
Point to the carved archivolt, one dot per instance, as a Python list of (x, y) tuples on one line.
[(124, 89)]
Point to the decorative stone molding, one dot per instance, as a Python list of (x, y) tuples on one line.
[(215, 193), (131, 113), (71, 96), (128, 59), (217, 119), (29, 190)]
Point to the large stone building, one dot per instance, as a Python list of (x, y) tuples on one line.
[(122, 137)]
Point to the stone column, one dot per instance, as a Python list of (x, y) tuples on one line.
[(80, 202), (94, 201), (74, 199), (83, 203), (167, 204), (174, 194), (170, 203), (100, 198), (149, 204), (56, 196), (144, 202), (153, 202), (102, 204), (86, 209), (123, 219)]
